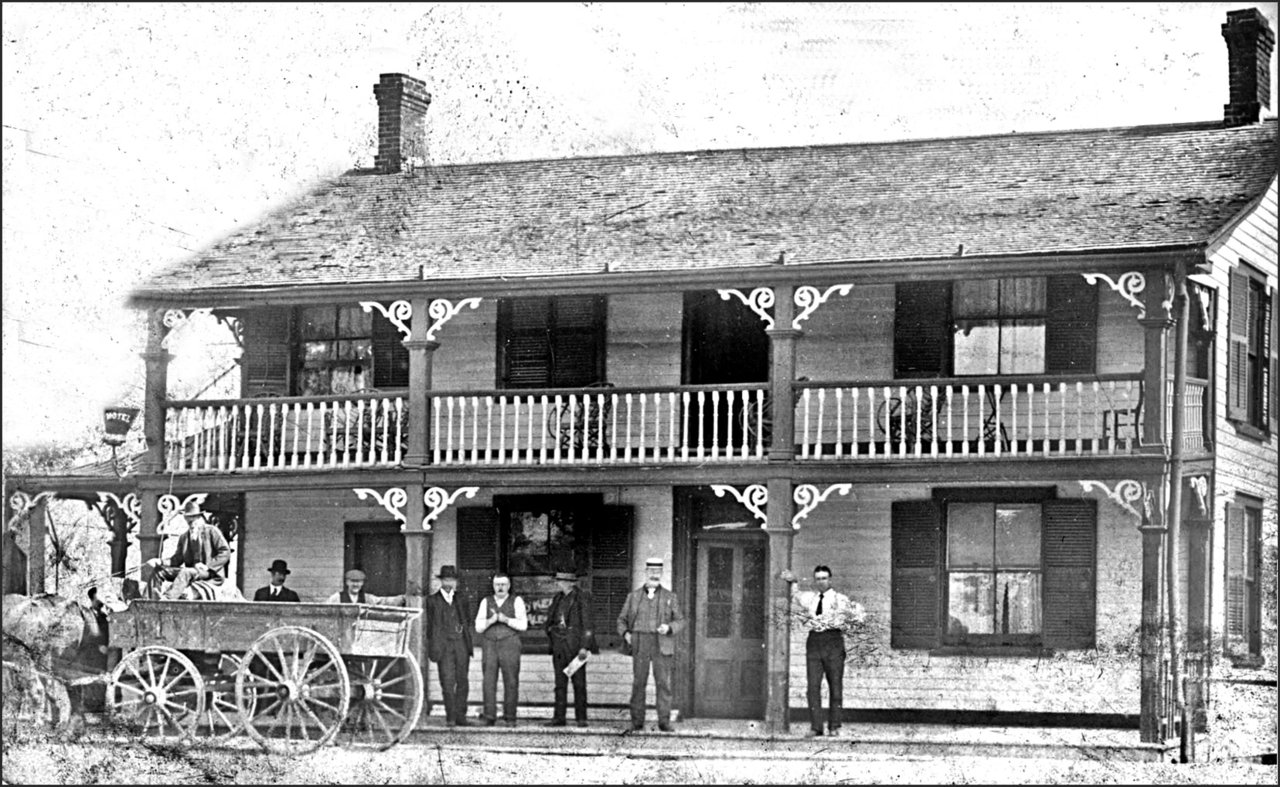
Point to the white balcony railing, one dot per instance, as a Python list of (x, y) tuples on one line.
[(969, 417)]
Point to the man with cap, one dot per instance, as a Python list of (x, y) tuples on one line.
[(569, 629), (499, 621), (353, 592), (450, 619), (648, 623), (201, 554), (276, 591)]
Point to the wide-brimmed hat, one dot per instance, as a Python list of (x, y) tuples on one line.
[(447, 572), (566, 576), (192, 508), (280, 566), (354, 573)]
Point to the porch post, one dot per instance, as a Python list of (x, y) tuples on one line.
[(778, 628), (149, 528), (155, 391), (1155, 340), (782, 373), (1149, 719), (417, 573), (421, 354), (38, 530)]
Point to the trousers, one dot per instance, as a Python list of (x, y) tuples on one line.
[(645, 653), (824, 657), (454, 687), (181, 577), (501, 655), (561, 655)]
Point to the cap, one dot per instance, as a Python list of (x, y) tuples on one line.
[(566, 576), (354, 573), (653, 561)]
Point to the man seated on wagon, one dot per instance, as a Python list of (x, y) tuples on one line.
[(353, 592), (201, 555)]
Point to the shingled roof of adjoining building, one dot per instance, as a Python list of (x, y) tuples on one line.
[(1061, 192)]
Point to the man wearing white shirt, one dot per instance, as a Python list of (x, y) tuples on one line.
[(499, 620), (826, 614)]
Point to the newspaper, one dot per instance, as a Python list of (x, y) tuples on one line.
[(576, 664)]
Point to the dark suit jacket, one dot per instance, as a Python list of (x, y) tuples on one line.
[(441, 617), (264, 594), (576, 610), (203, 543), (668, 612)]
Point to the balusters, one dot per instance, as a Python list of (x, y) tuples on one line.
[(671, 429)]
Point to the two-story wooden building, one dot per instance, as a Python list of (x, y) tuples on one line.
[(1016, 390)]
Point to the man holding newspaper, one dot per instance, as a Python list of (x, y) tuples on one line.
[(569, 628)]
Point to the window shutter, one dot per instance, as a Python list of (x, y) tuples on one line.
[(577, 341), (921, 333), (1238, 349), (390, 357), (610, 571), (524, 342), (477, 549), (1270, 369), (1070, 560), (266, 361), (1071, 326), (915, 575), (1236, 549)]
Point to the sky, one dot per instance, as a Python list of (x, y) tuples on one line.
[(136, 135)]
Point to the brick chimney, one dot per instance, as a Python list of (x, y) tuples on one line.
[(1249, 45), (402, 114)]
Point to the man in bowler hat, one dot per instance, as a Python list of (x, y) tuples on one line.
[(450, 619), (648, 623), (569, 629), (276, 591)]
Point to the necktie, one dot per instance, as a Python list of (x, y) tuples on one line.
[(818, 611), (275, 591)]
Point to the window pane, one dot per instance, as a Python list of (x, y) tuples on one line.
[(971, 604), (358, 350), (354, 321), (529, 539), (563, 544), (969, 535), (1018, 536), (977, 347), (1022, 297), (346, 379), (754, 570), (314, 382), (316, 322), (719, 592), (316, 351), (1022, 347), (1018, 603), (975, 298)]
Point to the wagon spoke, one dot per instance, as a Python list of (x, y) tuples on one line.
[(319, 701)]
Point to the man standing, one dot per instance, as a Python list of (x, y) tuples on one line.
[(276, 591), (449, 624), (201, 554), (826, 614), (499, 620), (649, 622), (569, 628), (353, 592)]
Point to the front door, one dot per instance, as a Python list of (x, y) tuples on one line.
[(377, 549), (729, 676)]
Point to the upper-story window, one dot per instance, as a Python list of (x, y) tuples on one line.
[(988, 327), (1251, 355), (551, 342), (336, 349)]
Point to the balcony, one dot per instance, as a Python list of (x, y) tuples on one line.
[(901, 420)]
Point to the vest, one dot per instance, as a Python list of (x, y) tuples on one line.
[(346, 598), (499, 631)]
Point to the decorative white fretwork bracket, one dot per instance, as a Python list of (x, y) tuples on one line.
[(1127, 286), (22, 503), (808, 299), (398, 314), (129, 504), (394, 500), (1200, 485), (438, 500), (754, 497), (807, 497), (1125, 493), (169, 506), (1205, 296), (760, 300), (441, 311), (176, 318)]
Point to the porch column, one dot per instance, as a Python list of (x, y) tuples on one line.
[(421, 354), (1197, 531), (778, 629), (149, 537), (1149, 632), (782, 374), (38, 532), (1155, 326), (417, 573), (155, 391)]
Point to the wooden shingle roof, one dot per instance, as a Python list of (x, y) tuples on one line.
[(1097, 190)]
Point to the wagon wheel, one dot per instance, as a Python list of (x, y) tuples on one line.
[(292, 690), (156, 688), (221, 719), (386, 699)]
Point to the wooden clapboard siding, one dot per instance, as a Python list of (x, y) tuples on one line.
[(608, 683), (467, 356), (849, 337), (853, 538), (643, 339), (1242, 464)]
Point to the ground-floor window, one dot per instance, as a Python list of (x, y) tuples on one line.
[(1244, 612), (993, 568)]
